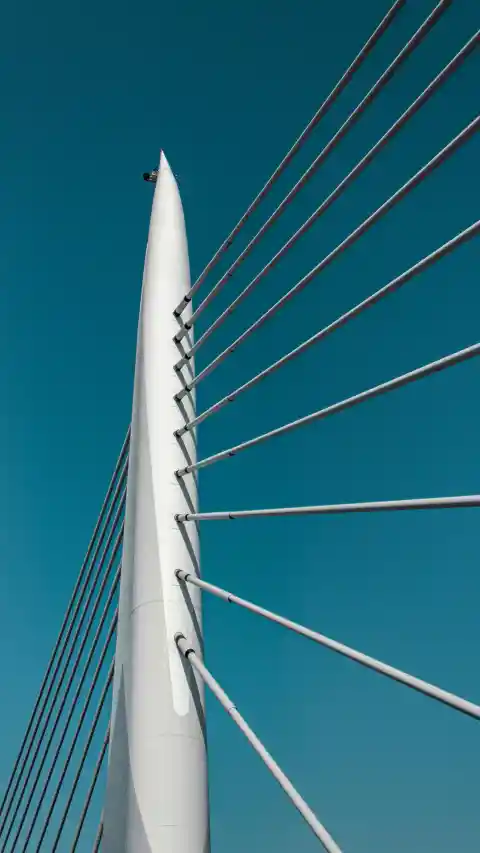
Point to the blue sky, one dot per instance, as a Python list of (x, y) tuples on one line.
[(91, 93)]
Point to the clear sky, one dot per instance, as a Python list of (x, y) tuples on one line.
[(91, 92)]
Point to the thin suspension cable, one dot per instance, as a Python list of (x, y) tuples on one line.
[(418, 684), (60, 710), (354, 235), (82, 761), (349, 402), (414, 42), (308, 815), (117, 491), (66, 618), (323, 109), (63, 675), (73, 704), (98, 838), (78, 729), (420, 101), (457, 502), (392, 286), (93, 783), (68, 661)]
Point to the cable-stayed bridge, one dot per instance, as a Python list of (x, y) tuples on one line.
[(114, 755)]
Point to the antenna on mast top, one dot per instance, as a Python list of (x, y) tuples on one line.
[(151, 177)]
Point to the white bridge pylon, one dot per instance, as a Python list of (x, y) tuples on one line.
[(156, 798)]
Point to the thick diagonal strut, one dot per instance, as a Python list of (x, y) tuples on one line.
[(322, 834), (322, 110), (348, 403), (333, 196), (415, 40), (431, 690), (389, 288)]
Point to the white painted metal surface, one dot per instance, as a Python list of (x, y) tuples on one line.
[(157, 799)]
